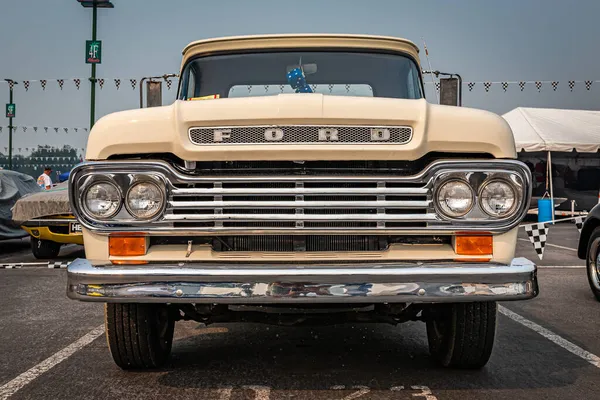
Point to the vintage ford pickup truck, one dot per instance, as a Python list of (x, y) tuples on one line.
[(301, 179)]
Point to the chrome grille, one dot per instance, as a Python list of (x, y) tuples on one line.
[(300, 203), (301, 134)]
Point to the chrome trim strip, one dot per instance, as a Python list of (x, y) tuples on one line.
[(403, 281)]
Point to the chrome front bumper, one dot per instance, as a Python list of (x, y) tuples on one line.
[(401, 282)]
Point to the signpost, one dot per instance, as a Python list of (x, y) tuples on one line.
[(11, 110), (93, 51)]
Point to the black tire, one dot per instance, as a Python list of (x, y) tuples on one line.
[(139, 336), (43, 249), (593, 262), (462, 335)]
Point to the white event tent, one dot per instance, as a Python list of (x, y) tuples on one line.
[(545, 129)]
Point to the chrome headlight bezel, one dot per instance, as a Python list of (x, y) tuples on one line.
[(92, 214), (158, 212)]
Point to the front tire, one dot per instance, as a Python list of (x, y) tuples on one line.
[(139, 336), (462, 335), (593, 263), (44, 249)]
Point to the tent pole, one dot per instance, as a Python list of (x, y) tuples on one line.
[(551, 186)]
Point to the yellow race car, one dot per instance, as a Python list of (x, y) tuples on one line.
[(46, 216), (48, 234)]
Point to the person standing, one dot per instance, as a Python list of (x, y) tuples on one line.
[(44, 180)]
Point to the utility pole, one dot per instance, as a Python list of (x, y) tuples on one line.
[(10, 113)]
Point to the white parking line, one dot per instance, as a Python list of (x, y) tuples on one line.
[(425, 392), (10, 388), (553, 337), (551, 245)]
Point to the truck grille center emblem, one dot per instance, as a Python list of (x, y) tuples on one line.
[(301, 134), (274, 134)]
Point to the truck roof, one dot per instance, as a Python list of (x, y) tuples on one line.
[(310, 40)]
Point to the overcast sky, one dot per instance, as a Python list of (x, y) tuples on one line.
[(483, 40)]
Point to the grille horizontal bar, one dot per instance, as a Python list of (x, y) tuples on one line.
[(294, 191), (182, 205), (302, 217)]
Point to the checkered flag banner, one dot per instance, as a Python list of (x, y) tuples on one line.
[(66, 130), (169, 83), (487, 86), (101, 82), (61, 83), (471, 85), (43, 82), (588, 84), (46, 129), (522, 85), (24, 129), (11, 84), (56, 130), (579, 223), (35, 128), (77, 82), (117, 83), (554, 85), (26, 85), (437, 87), (538, 86), (538, 234), (571, 85), (133, 83), (504, 86)]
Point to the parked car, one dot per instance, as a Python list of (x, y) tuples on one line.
[(301, 179), (589, 249), (46, 216), (13, 186)]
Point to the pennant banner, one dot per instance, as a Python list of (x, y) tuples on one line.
[(538, 235), (579, 222), (538, 232)]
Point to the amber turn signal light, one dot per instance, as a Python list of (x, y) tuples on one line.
[(474, 245), (124, 246)]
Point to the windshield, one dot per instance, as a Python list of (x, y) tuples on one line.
[(326, 72)]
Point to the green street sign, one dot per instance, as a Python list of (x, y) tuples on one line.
[(93, 51), (11, 110)]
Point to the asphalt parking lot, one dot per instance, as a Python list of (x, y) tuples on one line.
[(54, 348)]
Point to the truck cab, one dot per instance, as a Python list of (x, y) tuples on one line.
[(301, 179)]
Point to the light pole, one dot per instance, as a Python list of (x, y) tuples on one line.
[(11, 84), (94, 47)]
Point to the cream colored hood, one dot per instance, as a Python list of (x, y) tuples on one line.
[(435, 128)]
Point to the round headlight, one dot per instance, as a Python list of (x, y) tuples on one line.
[(145, 200), (498, 198), (102, 200), (455, 198)]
